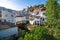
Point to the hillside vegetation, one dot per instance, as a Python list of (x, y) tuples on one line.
[(51, 29)]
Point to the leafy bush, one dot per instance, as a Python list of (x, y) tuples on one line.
[(39, 33)]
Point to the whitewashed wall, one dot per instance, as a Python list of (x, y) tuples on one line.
[(8, 16), (20, 19)]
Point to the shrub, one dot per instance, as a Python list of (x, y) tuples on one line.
[(39, 33)]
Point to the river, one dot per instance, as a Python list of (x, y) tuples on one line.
[(8, 32)]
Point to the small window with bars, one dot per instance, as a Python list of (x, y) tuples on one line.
[(0, 14)]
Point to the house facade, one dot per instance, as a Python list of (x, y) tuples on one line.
[(22, 16), (38, 16), (7, 16), (20, 19), (34, 16)]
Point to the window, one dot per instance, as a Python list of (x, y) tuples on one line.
[(11, 15), (43, 13), (37, 13), (0, 14), (37, 17), (0, 11), (4, 20), (42, 19), (0, 20)]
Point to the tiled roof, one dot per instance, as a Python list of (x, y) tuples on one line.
[(37, 9)]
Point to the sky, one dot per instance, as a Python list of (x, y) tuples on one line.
[(20, 4)]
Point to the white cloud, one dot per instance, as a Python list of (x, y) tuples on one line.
[(8, 4)]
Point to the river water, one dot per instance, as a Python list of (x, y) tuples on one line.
[(9, 32)]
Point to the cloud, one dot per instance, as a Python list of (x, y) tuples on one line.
[(9, 4)]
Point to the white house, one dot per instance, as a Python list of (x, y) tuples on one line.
[(20, 19), (7, 16), (22, 16), (37, 18)]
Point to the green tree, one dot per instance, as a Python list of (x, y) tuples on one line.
[(39, 33), (53, 16), (52, 13), (59, 16)]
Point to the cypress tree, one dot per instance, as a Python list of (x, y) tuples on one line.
[(52, 13)]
